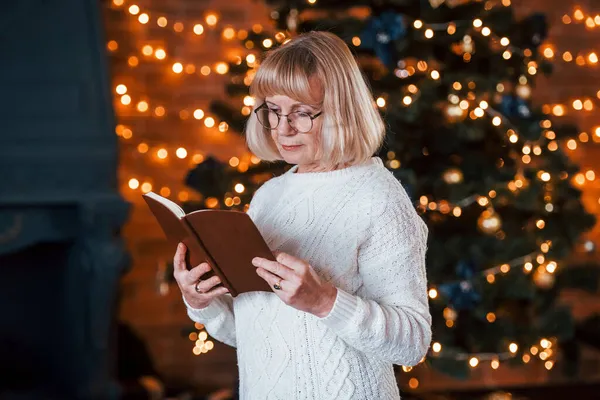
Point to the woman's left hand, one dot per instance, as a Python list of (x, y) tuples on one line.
[(300, 285)]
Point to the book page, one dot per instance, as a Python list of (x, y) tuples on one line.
[(174, 207)]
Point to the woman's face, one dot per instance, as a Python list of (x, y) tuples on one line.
[(294, 147)]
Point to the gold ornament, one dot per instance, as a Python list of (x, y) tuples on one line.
[(543, 279), (453, 175), (489, 221)]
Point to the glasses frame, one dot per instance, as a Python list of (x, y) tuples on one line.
[(265, 106)]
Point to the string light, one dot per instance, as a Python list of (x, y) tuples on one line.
[(479, 111)]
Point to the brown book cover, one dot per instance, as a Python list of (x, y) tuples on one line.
[(227, 240)]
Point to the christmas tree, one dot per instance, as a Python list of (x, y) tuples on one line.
[(485, 167)]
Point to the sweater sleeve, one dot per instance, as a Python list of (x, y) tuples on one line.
[(218, 317), (391, 320)]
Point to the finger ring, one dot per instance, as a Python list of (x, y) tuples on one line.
[(197, 288), (277, 286)]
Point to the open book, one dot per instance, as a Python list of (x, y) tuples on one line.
[(227, 240)]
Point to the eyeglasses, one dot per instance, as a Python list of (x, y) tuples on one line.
[(300, 121)]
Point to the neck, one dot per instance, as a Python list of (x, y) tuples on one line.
[(316, 168)]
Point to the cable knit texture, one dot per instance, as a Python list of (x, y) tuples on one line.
[(359, 230)]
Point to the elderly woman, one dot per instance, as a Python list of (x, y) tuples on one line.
[(349, 295)]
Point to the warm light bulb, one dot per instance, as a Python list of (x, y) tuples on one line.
[(142, 148), (198, 29), (249, 101), (134, 183), (112, 45), (177, 67), (413, 382), (228, 33), (222, 68), (162, 153), (121, 89), (198, 113), (181, 153), (178, 26), (380, 102), (211, 19), (159, 111), (142, 106), (209, 122), (160, 54), (134, 10), (558, 110), (146, 187), (143, 18)]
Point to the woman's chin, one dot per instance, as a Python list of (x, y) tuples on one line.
[(291, 158)]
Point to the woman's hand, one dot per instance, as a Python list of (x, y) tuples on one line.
[(300, 286), (198, 294)]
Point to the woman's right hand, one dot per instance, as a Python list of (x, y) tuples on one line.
[(197, 294)]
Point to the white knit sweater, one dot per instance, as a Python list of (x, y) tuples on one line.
[(359, 230)]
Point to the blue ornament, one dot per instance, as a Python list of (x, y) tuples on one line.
[(461, 294), (514, 107), (380, 33)]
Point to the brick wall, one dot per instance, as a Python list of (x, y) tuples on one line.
[(159, 318)]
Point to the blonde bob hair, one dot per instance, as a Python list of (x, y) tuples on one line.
[(352, 129)]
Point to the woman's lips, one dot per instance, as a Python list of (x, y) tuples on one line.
[(291, 148)]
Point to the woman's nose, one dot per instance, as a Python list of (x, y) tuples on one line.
[(285, 127)]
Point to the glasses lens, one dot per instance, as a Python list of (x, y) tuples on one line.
[(267, 118), (301, 121), (273, 119)]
